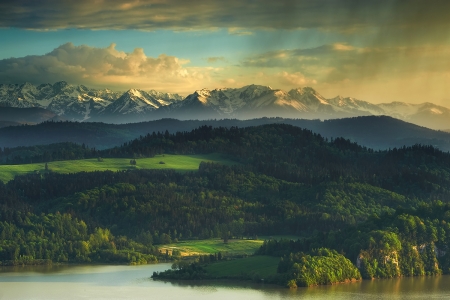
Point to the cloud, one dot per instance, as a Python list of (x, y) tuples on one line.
[(229, 82), (239, 31), (215, 59), (337, 62), (104, 67), (378, 74), (294, 79), (407, 20)]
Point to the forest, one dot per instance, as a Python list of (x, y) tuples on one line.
[(386, 212)]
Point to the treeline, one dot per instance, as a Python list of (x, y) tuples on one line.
[(47, 238), (45, 153)]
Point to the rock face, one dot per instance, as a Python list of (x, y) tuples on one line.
[(81, 103)]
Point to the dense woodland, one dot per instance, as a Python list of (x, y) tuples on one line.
[(405, 243), (385, 211)]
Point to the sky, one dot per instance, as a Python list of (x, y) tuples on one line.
[(378, 51)]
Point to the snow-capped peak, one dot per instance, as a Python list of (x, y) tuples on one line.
[(135, 93), (78, 102)]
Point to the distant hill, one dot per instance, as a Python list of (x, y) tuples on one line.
[(8, 123), (381, 132), (30, 115), (377, 132)]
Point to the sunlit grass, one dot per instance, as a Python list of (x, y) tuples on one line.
[(177, 162), (202, 247), (211, 246)]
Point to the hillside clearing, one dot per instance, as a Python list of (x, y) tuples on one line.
[(202, 247), (211, 246), (181, 163)]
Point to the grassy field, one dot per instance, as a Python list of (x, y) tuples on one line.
[(201, 247), (178, 162), (262, 266), (233, 247)]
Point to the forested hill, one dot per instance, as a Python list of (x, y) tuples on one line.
[(286, 180), (299, 155)]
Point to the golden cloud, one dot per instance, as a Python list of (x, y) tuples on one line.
[(106, 67)]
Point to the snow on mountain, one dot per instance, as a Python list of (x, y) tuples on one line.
[(424, 114), (18, 96), (351, 104), (255, 101), (226, 102), (132, 101), (78, 102), (263, 101), (165, 98), (400, 110)]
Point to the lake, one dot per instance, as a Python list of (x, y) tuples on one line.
[(134, 282)]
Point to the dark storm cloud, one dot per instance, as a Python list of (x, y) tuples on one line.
[(404, 16)]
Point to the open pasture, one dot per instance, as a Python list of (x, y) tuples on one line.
[(166, 161)]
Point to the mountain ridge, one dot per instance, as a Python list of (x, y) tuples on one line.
[(80, 103), (377, 132)]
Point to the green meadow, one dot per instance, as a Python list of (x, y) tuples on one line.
[(177, 162), (260, 266), (211, 246), (202, 247)]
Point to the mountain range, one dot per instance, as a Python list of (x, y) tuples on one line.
[(80, 103)]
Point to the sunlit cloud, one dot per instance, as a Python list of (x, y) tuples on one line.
[(295, 79), (341, 61), (105, 67), (378, 74)]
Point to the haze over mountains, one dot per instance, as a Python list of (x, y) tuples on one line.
[(376, 132), (80, 103)]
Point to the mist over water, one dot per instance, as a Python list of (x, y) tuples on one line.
[(134, 282)]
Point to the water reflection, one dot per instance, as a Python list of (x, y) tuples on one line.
[(133, 282)]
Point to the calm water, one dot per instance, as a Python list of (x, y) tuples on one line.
[(133, 282)]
